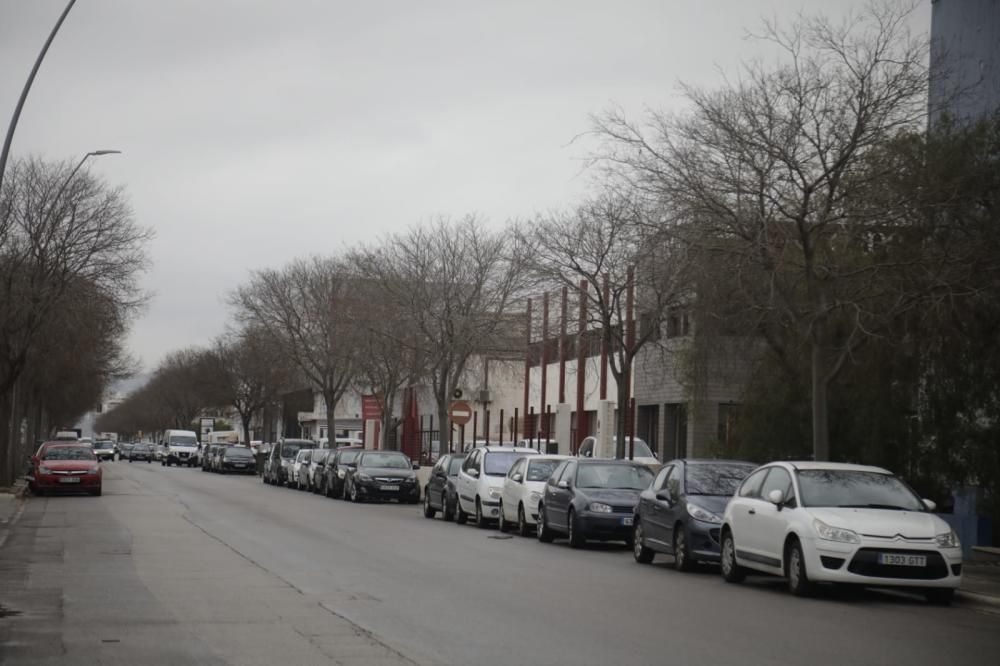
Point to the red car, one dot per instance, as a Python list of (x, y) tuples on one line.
[(65, 467)]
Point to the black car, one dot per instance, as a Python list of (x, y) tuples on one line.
[(439, 493), (335, 471), (236, 459), (141, 452), (383, 475), (681, 512), (592, 499)]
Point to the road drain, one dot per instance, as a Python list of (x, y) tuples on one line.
[(8, 612)]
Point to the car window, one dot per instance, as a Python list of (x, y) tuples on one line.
[(720, 479), (587, 448), (777, 479), (557, 472), (540, 470), (348, 457), (673, 483), (454, 464), (569, 471), (516, 468), (751, 485), (660, 482)]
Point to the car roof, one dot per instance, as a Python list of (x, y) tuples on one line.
[(706, 461), (515, 449), (845, 467), (610, 461), (548, 456)]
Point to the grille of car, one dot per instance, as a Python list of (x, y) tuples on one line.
[(389, 479), (622, 509), (865, 563), (69, 472)]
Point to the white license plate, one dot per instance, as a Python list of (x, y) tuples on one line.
[(70, 479), (897, 560), (388, 488), (627, 520), (239, 464)]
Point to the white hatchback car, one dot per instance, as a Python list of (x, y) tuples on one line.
[(522, 488), (480, 481), (829, 522)]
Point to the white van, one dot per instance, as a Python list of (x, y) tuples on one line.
[(179, 447)]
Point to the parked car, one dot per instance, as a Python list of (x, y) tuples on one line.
[(314, 475), (205, 456), (818, 522), (277, 466), (236, 459), (124, 448), (66, 467), (522, 489), (104, 449), (295, 469), (592, 499), (141, 452), (640, 452), (335, 472), (383, 475), (681, 512), (480, 481), (439, 493)]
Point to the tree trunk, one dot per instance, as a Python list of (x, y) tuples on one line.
[(331, 408), (820, 428), (6, 441), (245, 418), (622, 395)]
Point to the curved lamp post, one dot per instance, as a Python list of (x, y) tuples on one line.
[(69, 178)]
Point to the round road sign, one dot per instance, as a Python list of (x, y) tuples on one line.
[(460, 412)]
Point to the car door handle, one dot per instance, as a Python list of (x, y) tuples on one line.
[(752, 512)]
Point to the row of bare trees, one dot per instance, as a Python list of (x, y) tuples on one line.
[(70, 257)]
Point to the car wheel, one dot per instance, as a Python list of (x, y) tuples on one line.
[(542, 531), (448, 509), (150, 461), (428, 509), (480, 518), (354, 493), (682, 558), (522, 522), (795, 568), (573, 531), (502, 523), (130, 460), (641, 553), (163, 463), (461, 517), (939, 596), (96, 492), (731, 571)]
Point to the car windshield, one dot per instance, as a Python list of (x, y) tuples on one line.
[(714, 479), (641, 449), (238, 452), (454, 465), (855, 489), (498, 463), (69, 453), (387, 459), (541, 470), (104, 445), (183, 440), (625, 477)]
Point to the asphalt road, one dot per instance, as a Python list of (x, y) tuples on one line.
[(178, 566)]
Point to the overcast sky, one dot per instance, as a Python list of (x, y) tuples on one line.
[(254, 132)]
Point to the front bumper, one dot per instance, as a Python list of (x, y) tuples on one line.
[(244, 468), (181, 458), (834, 562), (606, 526), (56, 482), (403, 490), (703, 541)]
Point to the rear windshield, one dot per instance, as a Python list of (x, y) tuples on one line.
[(69, 453)]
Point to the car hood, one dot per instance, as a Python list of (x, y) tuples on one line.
[(883, 522), (714, 503), (69, 465), (617, 496), (388, 471)]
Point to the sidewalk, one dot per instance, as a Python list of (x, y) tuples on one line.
[(11, 502), (981, 584)]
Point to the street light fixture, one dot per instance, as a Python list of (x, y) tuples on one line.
[(69, 179)]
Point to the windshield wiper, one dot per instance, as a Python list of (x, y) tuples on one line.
[(873, 506)]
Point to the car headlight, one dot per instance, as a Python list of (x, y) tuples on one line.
[(599, 507), (340, 473), (534, 497), (42, 469), (831, 533), (948, 540), (704, 515), (363, 477), (495, 493)]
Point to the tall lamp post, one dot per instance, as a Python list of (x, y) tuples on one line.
[(69, 178), (24, 92)]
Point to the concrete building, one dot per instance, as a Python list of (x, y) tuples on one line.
[(965, 58)]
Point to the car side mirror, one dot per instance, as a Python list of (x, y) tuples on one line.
[(563, 484), (664, 495), (34, 459), (474, 473), (517, 478), (416, 465), (930, 504), (776, 497)]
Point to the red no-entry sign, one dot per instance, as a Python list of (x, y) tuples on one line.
[(460, 412)]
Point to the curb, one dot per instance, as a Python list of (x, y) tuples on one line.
[(976, 600)]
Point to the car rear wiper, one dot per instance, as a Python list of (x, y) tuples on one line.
[(874, 506)]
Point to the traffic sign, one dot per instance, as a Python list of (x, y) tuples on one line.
[(460, 412)]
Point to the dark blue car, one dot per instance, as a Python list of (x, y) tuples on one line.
[(680, 514)]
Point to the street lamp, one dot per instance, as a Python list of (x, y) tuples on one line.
[(69, 179)]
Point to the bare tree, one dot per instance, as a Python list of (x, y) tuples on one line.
[(453, 282), (774, 171), (305, 307)]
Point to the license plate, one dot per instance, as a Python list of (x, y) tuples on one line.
[(627, 520), (239, 465), (897, 560), (70, 479), (388, 488)]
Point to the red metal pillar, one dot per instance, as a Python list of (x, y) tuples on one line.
[(562, 347), (545, 361), (527, 366), (581, 367), (606, 295)]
